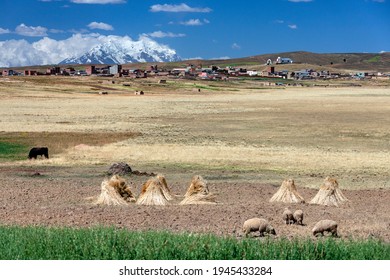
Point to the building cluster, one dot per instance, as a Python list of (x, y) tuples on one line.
[(218, 73), (89, 70), (191, 71)]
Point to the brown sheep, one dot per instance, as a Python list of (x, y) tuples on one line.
[(257, 224), (298, 217), (325, 226), (288, 217)]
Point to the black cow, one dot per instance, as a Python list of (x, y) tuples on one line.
[(38, 151)]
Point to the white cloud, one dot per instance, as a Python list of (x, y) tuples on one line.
[(31, 31), (293, 26), (181, 8), (194, 22), (48, 51), (4, 31), (236, 46), (100, 25), (15, 53), (193, 58), (220, 58), (161, 34), (279, 21), (98, 1)]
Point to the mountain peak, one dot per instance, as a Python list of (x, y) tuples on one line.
[(120, 50)]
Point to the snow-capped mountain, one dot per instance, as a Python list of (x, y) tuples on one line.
[(120, 50)]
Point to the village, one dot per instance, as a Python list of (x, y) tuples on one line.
[(198, 71)]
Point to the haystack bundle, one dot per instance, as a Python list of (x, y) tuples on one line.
[(155, 192), (115, 191), (198, 192), (329, 194), (287, 193), (165, 189)]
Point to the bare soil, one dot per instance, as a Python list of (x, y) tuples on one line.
[(59, 196)]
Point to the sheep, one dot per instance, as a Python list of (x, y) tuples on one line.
[(298, 217), (257, 224), (325, 226), (288, 217)]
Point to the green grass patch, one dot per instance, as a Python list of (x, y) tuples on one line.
[(34, 243), (12, 151), (374, 59)]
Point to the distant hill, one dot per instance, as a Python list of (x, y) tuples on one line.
[(301, 59), (352, 61)]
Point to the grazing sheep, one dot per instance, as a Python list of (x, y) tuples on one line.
[(298, 217), (325, 226), (257, 224), (288, 217)]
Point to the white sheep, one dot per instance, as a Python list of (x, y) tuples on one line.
[(287, 216), (298, 217), (325, 226), (257, 224)]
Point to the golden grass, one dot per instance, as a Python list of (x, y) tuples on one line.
[(304, 133)]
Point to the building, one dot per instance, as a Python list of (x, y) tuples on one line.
[(283, 60), (90, 69), (30, 72), (115, 69), (9, 72), (252, 73), (53, 71)]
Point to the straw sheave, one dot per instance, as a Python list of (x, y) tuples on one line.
[(287, 193), (329, 194), (115, 191), (155, 192), (198, 192)]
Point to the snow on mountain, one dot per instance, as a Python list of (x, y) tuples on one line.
[(120, 50)]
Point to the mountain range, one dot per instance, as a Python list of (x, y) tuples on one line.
[(120, 50)]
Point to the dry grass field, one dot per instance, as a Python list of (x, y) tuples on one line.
[(242, 136)]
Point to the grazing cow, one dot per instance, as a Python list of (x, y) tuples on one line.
[(38, 151)]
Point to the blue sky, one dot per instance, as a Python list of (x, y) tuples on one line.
[(206, 28)]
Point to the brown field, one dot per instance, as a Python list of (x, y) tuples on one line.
[(243, 137)]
